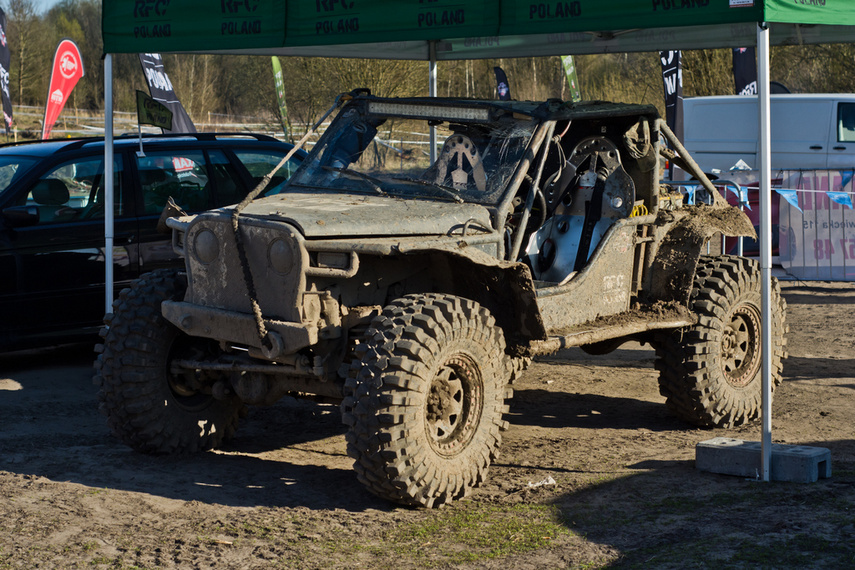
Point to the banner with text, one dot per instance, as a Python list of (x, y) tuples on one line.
[(66, 72), (5, 63), (161, 91), (151, 112), (745, 71), (672, 79), (817, 225), (132, 26)]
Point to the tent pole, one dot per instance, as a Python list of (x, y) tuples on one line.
[(108, 182), (432, 92), (765, 244)]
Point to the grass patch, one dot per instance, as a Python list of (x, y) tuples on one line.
[(469, 532)]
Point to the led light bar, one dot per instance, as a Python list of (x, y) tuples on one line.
[(428, 111)]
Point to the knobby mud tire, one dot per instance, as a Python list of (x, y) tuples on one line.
[(144, 406), (710, 373), (425, 400)]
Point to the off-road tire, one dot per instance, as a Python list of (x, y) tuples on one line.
[(424, 402), (146, 407), (710, 372)]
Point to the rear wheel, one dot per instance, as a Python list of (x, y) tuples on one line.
[(149, 405), (710, 372), (424, 403)]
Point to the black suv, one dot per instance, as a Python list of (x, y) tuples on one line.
[(52, 219)]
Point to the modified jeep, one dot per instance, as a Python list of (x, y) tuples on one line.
[(414, 292)]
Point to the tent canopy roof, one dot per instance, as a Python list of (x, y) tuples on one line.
[(461, 29)]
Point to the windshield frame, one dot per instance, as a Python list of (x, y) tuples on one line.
[(502, 136)]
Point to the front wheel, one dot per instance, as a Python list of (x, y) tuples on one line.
[(424, 403), (710, 372), (148, 405)]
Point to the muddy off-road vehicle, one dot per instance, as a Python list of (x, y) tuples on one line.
[(413, 293)]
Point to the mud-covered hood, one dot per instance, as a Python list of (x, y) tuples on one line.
[(336, 215)]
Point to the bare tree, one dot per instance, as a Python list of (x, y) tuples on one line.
[(26, 33)]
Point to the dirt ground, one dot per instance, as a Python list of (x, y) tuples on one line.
[(594, 472)]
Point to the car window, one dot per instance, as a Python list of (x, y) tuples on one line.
[(75, 191), (259, 164), (846, 122), (12, 168), (181, 175), (229, 185)]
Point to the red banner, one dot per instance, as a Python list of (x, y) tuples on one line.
[(67, 71)]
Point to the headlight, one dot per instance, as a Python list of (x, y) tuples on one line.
[(280, 256), (206, 246)]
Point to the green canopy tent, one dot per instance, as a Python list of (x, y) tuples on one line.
[(438, 30)]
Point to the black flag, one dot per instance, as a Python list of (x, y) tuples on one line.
[(161, 91), (672, 77), (502, 84), (745, 71), (5, 62)]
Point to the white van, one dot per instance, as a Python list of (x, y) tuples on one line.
[(809, 131)]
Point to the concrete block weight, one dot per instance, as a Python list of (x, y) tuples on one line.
[(794, 463)]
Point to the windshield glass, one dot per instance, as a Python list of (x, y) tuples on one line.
[(12, 168), (368, 151)]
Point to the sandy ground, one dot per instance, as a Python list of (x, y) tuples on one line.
[(620, 486)]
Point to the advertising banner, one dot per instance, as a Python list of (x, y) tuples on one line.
[(745, 71), (5, 63), (66, 72), (161, 91), (672, 78), (573, 81), (502, 88), (279, 82), (817, 225), (150, 112)]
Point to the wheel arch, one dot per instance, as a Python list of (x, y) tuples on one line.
[(505, 288), (672, 265)]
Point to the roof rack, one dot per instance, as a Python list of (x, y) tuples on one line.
[(78, 142)]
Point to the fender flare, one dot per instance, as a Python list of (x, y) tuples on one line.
[(675, 261), (506, 288)]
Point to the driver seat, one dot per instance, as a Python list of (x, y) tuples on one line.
[(461, 155)]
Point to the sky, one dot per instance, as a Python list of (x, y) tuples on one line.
[(44, 5)]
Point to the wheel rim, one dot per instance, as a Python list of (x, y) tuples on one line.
[(453, 407), (740, 346)]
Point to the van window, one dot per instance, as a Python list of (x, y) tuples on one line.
[(846, 122)]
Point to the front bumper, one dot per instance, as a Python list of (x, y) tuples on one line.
[(237, 328)]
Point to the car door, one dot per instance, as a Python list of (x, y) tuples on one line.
[(800, 133), (181, 174), (56, 248), (841, 147)]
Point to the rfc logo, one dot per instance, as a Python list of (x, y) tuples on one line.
[(68, 64), (150, 8), (235, 6)]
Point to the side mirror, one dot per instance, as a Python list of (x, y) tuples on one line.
[(21, 216)]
